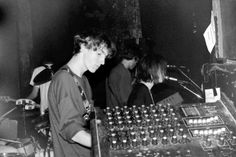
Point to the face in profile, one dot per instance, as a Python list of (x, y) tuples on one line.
[(133, 63), (94, 58)]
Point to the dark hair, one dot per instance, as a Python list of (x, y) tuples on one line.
[(93, 41), (130, 50), (149, 65)]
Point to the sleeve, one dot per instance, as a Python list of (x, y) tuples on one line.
[(70, 108), (36, 71), (120, 84)]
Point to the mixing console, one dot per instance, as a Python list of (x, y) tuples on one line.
[(180, 130)]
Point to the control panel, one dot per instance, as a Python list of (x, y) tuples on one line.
[(167, 130)]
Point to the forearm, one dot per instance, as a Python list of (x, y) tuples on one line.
[(82, 137), (33, 93)]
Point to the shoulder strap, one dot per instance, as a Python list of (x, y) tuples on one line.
[(86, 103)]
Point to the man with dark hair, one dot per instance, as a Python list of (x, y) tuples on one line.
[(70, 96), (119, 81)]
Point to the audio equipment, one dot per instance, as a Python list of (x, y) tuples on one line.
[(169, 130)]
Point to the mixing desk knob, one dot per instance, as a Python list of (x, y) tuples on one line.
[(221, 141), (169, 126), (155, 116), (188, 153), (196, 133), (128, 117), (118, 113), (153, 111), (181, 131), (109, 114), (114, 144), (139, 122), (142, 134), (157, 120), (151, 133), (233, 140), (166, 121), (171, 110), (162, 111), (174, 139), (129, 123), (144, 112), (173, 114), (150, 128), (184, 138), (124, 143), (120, 124), (164, 115), (126, 112), (137, 116), (171, 132), (164, 140), (159, 127), (148, 122), (154, 141), (161, 133), (178, 125), (119, 118), (178, 153), (134, 143), (109, 118), (111, 123), (208, 142), (144, 142), (132, 135), (174, 121)]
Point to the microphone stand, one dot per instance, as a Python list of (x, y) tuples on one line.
[(191, 81), (185, 87)]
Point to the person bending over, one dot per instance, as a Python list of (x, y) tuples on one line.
[(70, 96), (151, 70)]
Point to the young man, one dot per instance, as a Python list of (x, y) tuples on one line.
[(119, 81), (70, 97)]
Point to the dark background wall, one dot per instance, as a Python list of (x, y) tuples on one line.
[(176, 28), (9, 73), (31, 30)]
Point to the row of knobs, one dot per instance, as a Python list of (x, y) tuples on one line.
[(220, 141), (204, 121), (209, 132), (145, 122), (132, 143), (144, 138), (141, 117), (150, 110)]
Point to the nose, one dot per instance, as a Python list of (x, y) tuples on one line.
[(102, 60)]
